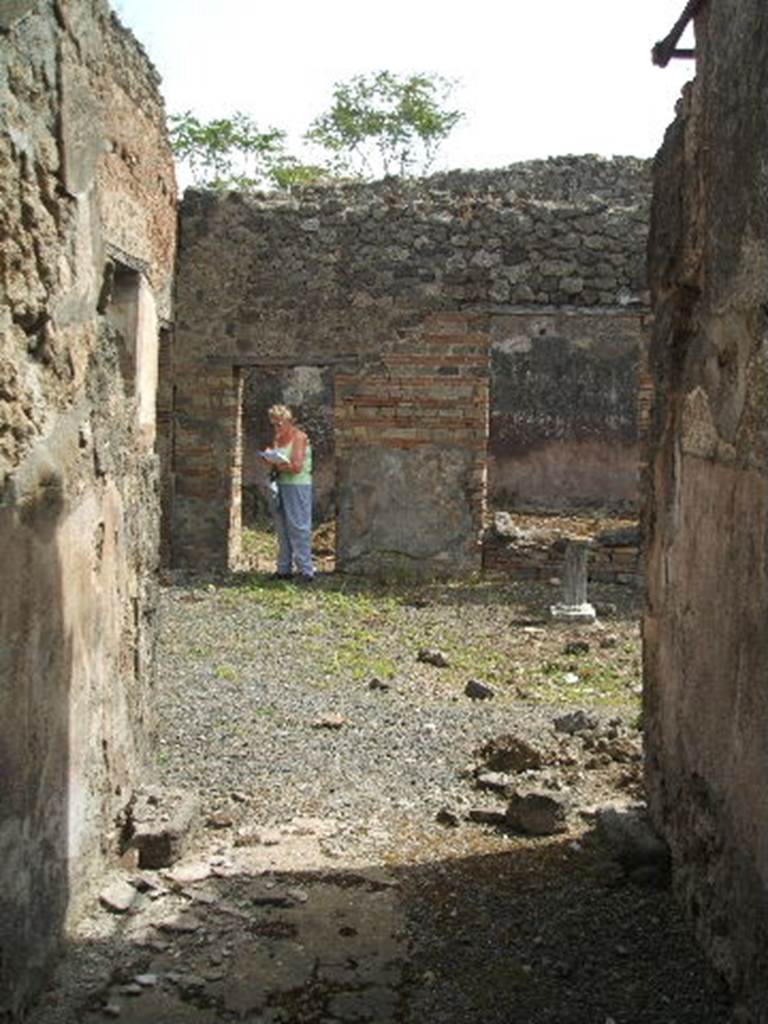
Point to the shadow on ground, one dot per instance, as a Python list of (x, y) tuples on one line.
[(543, 933)]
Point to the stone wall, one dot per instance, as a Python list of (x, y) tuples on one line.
[(565, 408), (331, 276), (87, 237), (411, 443), (705, 630)]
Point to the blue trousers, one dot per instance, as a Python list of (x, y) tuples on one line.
[(293, 524)]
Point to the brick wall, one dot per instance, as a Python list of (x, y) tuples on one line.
[(411, 440)]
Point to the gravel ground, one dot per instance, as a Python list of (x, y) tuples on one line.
[(249, 670), (335, 756)]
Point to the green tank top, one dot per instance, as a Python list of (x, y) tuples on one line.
[(304, 476)]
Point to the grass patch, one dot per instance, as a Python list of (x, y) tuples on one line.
[(227, 673)]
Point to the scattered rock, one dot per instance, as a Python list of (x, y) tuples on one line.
[(330, 721), (187, 874), (112, 1009), (627, 830), (146, 980), (190, 982), (447, 816), (499, 782), (486, 815), (220, 819), (433, 657), (379, 684), (623, 749), (608, 641), (537, 813), (476, 690), (511, 753), (575, 721), (576, 647), (161, 822), (118, 896), (181, 924), (570, 678)]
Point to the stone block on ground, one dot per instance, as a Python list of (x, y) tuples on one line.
[(162, 822), (537, 813)]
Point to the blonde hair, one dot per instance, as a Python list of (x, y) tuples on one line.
[(281, 412)]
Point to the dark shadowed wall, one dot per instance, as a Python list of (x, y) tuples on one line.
[(706, 623)]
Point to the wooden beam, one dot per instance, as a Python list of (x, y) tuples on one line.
[(667, 48)]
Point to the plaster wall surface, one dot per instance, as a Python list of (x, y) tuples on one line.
[(86, 187), (564, 407), (332, 279), (705, 628)]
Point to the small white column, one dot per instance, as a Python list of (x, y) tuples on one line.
[(574, 607)]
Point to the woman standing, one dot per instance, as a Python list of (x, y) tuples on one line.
[(290, 459)]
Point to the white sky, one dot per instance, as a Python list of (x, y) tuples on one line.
[(537, 77)]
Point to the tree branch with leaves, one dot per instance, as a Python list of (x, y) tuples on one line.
[(378, 124), (383, 123)]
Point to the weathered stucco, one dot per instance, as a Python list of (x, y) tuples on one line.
[(290, 291), (564, 408), (706, 639), (87, 197)]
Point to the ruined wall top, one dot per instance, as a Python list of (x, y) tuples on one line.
[(347, 264)]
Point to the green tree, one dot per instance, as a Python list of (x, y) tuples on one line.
[(233, 153), (384, 123)]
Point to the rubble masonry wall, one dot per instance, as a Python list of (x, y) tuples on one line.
[(337, 279), (87, 238)]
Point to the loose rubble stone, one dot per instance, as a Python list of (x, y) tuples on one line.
[(487, 815), (181, 924), (379, 684), (146, 980), (476, 690), (220, 820), (499, 782), (186, 874), (576, 647), (511, 753), (162, 821), (118, 896), (447, 816), (433, 657), (609, 641), (330, 721), (628, 831), (537, 813), (575, 721)]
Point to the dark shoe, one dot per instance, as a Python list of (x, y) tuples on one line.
[(304, 580), (281, 576)]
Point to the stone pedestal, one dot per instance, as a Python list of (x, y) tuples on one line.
[(574, 607)]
